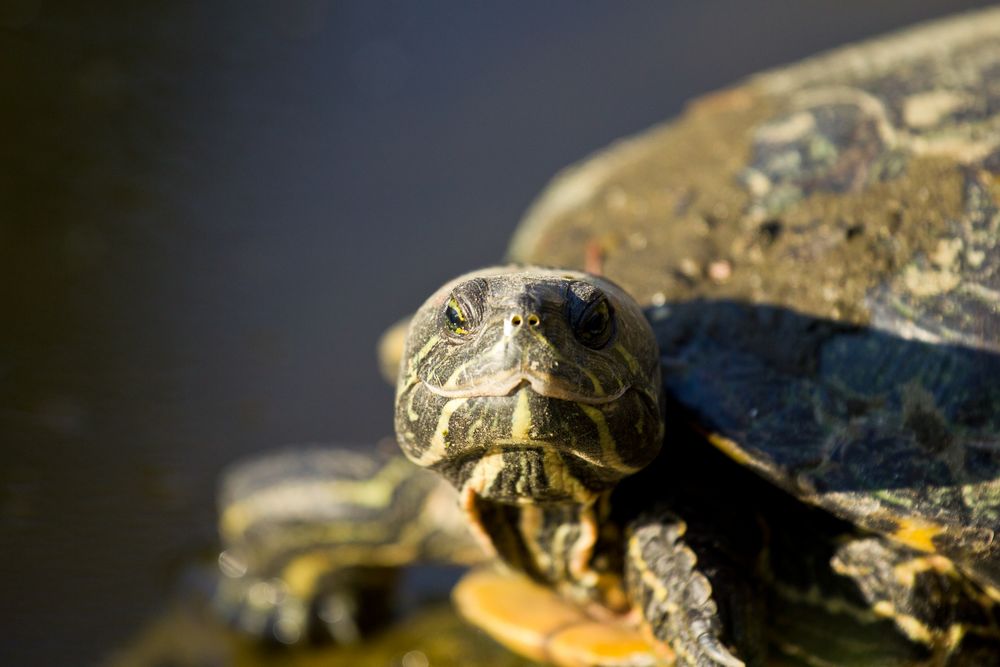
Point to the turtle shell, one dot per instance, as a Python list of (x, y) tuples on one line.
[(819, 252)]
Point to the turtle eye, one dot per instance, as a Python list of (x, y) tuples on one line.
[(596, 324), (456, 318), (462, 310)]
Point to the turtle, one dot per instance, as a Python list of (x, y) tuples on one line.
[(736, 370)]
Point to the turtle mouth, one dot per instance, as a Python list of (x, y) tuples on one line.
[(520, 430), (536, 426), (541, 384)]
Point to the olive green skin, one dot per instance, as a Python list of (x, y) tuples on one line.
[(516, 403)]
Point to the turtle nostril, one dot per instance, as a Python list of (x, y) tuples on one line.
[(533, 320), (516, 320)]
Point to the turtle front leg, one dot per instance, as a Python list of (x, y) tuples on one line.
[(695, 592), (313, 536), (930, 600)]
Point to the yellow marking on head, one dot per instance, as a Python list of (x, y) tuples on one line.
[(521, 484), (474, 428), (609, 450), (450, 382), (437, 449), (485, 472), (421, 354), (730, 448), (633, 365), (411, 414), (410, 375), (918, 534), (520, 421)]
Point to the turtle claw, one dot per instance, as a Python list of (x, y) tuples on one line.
[(712, 648), (671, 565)]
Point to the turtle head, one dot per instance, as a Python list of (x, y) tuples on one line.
[(526, 385)]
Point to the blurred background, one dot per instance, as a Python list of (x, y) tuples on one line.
[(210, 210)]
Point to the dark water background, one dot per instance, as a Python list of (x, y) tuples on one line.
[(209, 211)]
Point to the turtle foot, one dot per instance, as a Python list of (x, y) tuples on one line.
[(675, 575)]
